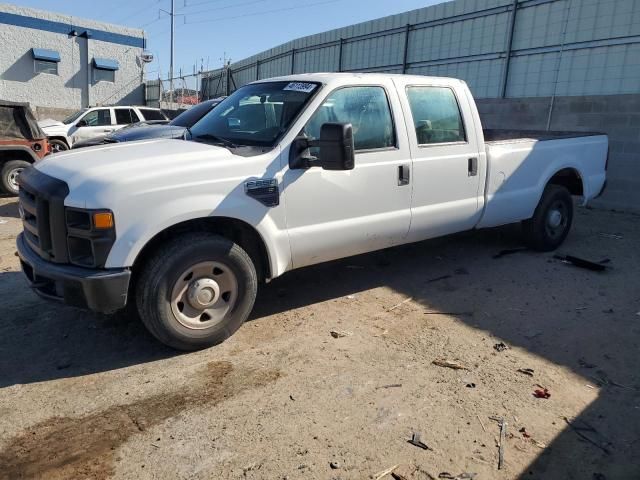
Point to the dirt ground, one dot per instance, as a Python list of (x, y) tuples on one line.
[(84, 396)]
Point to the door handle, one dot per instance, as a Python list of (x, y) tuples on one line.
[(404, 174), (472, 167)]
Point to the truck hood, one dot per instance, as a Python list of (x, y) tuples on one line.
[(108, 170), (147, 132), (53, 127), (49, 122)]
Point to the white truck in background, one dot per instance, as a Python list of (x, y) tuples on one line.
[(95, 122), (285, 173)]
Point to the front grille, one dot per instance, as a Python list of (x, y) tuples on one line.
[(42, 210)]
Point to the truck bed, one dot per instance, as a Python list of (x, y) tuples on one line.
[(496, 135)]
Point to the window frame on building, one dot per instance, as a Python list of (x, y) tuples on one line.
[(104, 70), (45, 61)]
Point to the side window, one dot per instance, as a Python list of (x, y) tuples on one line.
[(125, 116), (366, 108), (436, 115), (98, 118), (150, 114)]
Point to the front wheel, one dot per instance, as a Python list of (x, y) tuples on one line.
[(551, 221), (196, 291), (9, 173), (58, 145)]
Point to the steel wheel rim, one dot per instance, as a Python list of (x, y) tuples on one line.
[(204, 295), (56, 147), (13, 177), (557, 219)]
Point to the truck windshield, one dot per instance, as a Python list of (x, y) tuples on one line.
[(72, 118), (255, 115)]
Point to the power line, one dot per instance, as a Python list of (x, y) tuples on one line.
[(224, 8), (260, 13), (146, 7), (199, 3)]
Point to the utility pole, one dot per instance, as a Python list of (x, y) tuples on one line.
[(173, 31)]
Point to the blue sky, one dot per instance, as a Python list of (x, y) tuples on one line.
[(209, 28)]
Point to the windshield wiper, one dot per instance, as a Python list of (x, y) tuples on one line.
[(216, 139)]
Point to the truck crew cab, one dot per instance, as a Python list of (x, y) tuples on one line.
[(285, 173)]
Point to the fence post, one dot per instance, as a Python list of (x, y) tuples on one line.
[(505, 72), (227, 71), (340, 54), (406, 48), (293, 61), (257, 69)]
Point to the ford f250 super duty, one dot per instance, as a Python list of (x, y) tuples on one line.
[(285, 173)]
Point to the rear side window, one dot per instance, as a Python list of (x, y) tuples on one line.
[(98, 118), (125, 116), (436, 115), (150, 114), (365, 108)]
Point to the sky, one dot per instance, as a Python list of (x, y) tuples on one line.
[(208, 31)]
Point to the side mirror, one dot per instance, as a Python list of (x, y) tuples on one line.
[(82, 123), (336, 147)]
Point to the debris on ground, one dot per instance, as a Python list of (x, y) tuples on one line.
[(526, 371), (400, 304), (461, 476), (501, 442), (403, 472), (391, 385), (580, 427), (537, 443), (448, 313), (500, 347), (524, 432), (449, 364), (510, 251), (437, 279), (386, 472), (416, 442), (541, 392), (481, 424), (581, 262), (471, 385), (340, 333), (584, 364), (611, 235), (334, 465)]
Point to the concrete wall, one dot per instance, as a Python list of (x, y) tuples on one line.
[(616, 115), (74, 86)]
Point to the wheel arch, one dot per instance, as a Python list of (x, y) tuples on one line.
[(16, 152), (570, 178), (239, 231), (61, 138)]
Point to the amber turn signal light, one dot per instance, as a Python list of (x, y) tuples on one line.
[(103, 220)]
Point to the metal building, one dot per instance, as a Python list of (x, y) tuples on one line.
[(539, 64), (59, 63)]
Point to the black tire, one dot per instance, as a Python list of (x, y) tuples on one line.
[(551, 221), (9, 173), (162, 275), (58, 145)]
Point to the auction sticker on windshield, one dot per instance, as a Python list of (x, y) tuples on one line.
[(300, 87)]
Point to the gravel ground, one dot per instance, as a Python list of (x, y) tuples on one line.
[(84, 396)]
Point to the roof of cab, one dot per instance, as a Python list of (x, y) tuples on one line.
[(332, 77)]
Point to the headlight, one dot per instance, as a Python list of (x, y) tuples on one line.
[(90, 236)]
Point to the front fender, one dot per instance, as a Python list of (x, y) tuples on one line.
[(133, 233)]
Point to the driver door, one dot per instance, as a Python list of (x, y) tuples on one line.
[(95, 123), (335, 214)]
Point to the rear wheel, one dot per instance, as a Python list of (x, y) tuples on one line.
[(196, 291), (9, 173), (58, 145), (551, 221)]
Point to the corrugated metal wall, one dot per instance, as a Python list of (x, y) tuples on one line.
[(556, 47)]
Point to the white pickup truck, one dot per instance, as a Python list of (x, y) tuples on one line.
[(284, 173)]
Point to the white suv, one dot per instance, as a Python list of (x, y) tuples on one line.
[(95, 122)]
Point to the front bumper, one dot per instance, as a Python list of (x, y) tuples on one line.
[(100, 290)]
